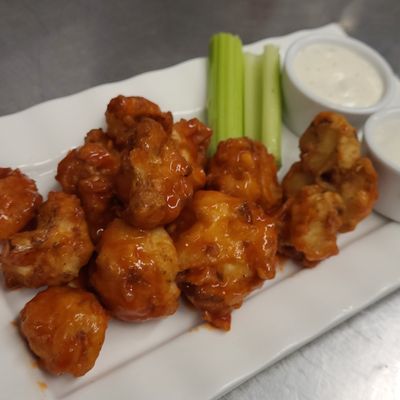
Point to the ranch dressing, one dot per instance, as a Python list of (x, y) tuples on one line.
[(338, 74), (387, 138)]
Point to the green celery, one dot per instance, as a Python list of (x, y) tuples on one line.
[(252, 95), (271, 125), (225, 87)]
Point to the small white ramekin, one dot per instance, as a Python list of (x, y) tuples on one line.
[(301, 105), (388, 203)]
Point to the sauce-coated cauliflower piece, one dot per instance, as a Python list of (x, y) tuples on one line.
[(89, 171), (135, 271), (65, 329), (226, 249), (55, 251), (310, 225), (329, 191), (243, 168), (19, 201)]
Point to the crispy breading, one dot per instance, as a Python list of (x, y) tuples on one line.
[(329, 144), (243, 168), (89, 172), (55, 251), (155, 180), (358, 188), (124, 113), (19, 201), (311, 224), (295, 179), (226, 252), (134, 273), (65, 329), (162, 163), (331, 170), (192, 139)]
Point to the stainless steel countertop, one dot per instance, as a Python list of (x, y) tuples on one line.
[(53, 48)]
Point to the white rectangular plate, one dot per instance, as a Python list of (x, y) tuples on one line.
[(179, 357)]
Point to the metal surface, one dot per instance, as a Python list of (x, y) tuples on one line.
[(53, 48)]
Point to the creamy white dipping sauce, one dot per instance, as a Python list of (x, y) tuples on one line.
[(387, 138), (338, 74)]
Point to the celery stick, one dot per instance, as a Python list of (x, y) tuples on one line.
[(212, 73), (252, 95), (236, 128), (225, 87), (271, 125)]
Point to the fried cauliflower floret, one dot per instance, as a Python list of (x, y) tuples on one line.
[(124, 113), (295, 179), (329, 144), (192, 139), (65, 329), (227, 251), (162, 163), (135, 272), (358, 188), (155, 182), (89, 172), (53, 253), (243, 168), (19, 201), (311, 223), (333, 182)]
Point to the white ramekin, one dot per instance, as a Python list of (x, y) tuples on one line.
[(388, 203), (301, 105)]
